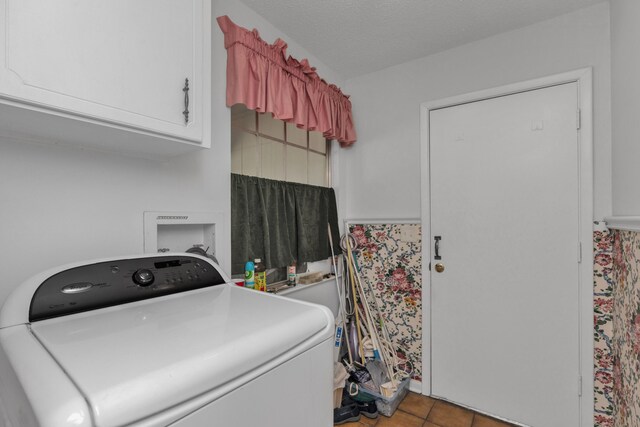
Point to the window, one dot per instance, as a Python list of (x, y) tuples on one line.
[(269, 148), (265, 147)]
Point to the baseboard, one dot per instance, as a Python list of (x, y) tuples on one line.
[(415, 386)]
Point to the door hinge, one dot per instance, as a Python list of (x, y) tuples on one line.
[(580, 386), (578, 119), (579, 252)]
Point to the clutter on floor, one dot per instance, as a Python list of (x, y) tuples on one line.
[(372, 378)]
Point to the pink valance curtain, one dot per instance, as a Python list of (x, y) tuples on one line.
[(262, 77)]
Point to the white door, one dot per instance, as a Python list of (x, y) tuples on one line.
[(504, 203), (120, 61)]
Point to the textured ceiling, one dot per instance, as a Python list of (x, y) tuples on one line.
[(355, 37)]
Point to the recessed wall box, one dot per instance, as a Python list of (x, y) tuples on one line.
[(180, 231)]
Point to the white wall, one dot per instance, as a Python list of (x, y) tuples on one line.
[(625, 72), (62, 205), (381, 172)]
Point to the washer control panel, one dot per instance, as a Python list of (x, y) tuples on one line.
[(106, 284)]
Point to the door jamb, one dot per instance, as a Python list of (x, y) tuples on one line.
[(583, 78)]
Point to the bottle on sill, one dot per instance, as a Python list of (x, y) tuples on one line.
[(291, 274), (260, 275), (249, 275)]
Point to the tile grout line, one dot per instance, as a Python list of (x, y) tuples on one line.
[(430, 409)]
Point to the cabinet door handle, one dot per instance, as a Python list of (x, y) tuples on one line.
[(185, 89)]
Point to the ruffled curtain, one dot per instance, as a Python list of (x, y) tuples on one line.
[(262, 77)]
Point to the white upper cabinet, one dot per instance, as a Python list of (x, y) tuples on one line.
[(108, 73)]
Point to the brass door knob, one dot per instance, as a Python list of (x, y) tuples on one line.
[(439, 267)]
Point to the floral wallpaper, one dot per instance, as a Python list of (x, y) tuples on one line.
[(603, 325), (390, 260), (626, 327)]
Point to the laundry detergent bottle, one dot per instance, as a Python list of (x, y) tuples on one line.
[(249, 275)]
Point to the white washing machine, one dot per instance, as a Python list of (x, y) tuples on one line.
[(160, 341)]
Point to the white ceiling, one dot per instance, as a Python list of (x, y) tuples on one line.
[(355, 37)]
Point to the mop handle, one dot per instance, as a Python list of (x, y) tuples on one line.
[(367, 314), (353, 291), (340, 297)]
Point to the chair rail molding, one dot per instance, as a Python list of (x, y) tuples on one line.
[(628, 223)]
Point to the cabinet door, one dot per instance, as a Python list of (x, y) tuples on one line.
[(117, 61)]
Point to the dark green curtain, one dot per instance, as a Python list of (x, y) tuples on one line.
[(280, 222)]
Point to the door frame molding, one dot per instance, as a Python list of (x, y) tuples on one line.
[(583, 78)]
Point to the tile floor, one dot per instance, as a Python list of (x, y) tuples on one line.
[(422, 411)]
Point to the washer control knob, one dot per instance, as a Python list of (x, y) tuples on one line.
[(143, 277)]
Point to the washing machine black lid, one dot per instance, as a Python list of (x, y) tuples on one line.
[(134, 360)]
